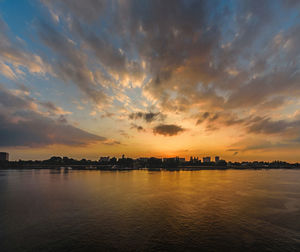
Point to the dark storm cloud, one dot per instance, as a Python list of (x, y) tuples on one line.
[(168, 129), (146, 116), (21, 124)]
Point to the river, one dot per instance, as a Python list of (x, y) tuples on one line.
[(140, 210)]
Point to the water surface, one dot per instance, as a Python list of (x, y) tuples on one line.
[(211, 210)]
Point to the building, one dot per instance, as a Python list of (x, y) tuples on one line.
[(4, 156), (104, 159), (143, 159), (174, 159), (217, 159), (206, 159)]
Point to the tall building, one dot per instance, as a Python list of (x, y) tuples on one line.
[(217, 159), (206, 159), (4, 156)]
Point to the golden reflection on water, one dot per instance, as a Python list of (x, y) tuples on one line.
[(141, 209)]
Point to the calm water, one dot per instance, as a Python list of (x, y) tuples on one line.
[(43, 210)]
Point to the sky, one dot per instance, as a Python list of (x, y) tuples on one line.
[(167, 78)]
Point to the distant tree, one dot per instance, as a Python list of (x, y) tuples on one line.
[(154, 163), (113, 161)]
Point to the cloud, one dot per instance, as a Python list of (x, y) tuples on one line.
[(111, 142), (187, 55), (262, 125), (52, 108), (71, 64), (36, 131), (14, 53), (268, 126), (168, 129), (257, 144), (216, 120), (137, 127), (124, 133), (107, 115), (7, 71), (191, 61), (148, 117), (10, 101), (20, 99), (21, 124), (233, 66), (88, 11)]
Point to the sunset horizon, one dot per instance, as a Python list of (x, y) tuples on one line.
[(161, 78), (149, 125)]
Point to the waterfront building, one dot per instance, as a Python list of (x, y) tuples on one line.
[(143, 159), (206, 159), (104, 159), (174, 159), (4, 156)]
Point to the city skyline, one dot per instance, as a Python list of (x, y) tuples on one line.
[(199, 159), (150, 78)]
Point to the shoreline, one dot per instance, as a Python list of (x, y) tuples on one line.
[(198, 168)]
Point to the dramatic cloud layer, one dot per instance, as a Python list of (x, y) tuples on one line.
[(217, 68)]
